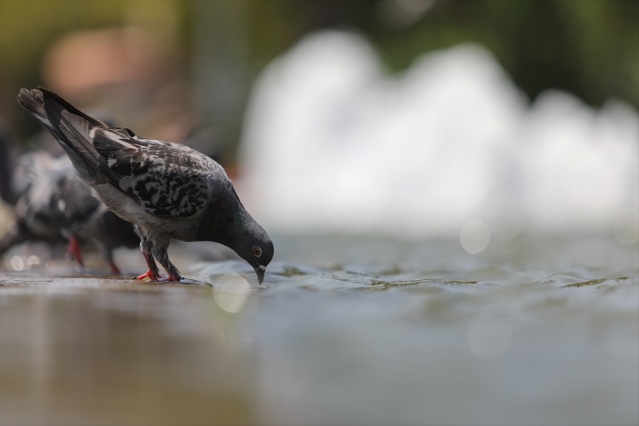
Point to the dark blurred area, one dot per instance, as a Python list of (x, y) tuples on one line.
[(174, 69)]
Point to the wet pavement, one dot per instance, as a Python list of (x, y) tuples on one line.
[(84, 351), (343, 331)]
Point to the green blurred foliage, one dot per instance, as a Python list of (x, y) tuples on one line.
[(588, 47)]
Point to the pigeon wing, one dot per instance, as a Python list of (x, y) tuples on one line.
[(165, 179)]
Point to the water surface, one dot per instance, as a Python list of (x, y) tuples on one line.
[(343, 331)]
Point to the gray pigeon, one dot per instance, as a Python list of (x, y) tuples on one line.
[(57, 206), (81, 217), (167, 190), (37, 173)]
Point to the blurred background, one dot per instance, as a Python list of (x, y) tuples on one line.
[(452, 187), (401, 117)]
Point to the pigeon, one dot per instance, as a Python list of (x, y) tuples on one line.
[(57, 206), (166, 190), (36, 173), (20, 170), (82, 217)]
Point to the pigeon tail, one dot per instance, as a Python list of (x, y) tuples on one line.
[(69, 126)]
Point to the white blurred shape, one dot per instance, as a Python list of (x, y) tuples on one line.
[(626, 226), (231, 293), (334, 144), (505, 216), (16, 263), (489, 335), (579, 167), (474, 236), (32, 260)]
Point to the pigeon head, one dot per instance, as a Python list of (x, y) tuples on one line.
[(228, 223), (257, 249), (247, 238)]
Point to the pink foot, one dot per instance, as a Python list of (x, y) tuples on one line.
[(149, 274)]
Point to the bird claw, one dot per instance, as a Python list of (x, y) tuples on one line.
[(154, 277), (170, 278), (175, 277), (149, 274)]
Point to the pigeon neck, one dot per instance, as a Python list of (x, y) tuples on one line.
[(225, 222)]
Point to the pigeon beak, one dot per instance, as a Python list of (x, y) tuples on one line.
[(260, 270)]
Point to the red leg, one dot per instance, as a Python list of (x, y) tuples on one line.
[(175, 277), (74, 250), (114, 269), (153, 273), (149, 274), (163, 257), (107, 254)]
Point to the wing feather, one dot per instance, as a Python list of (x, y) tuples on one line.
[(166, 179)]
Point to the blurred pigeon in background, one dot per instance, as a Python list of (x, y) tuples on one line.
[(167, 190), (31, 185), (55, 205), (82, 217)]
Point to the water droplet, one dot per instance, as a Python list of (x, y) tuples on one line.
[(16, 263), (474, 236), (231, 293)]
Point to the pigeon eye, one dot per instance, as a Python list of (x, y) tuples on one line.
[(257, 251)]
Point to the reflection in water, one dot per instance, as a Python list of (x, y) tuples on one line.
[(118, 353), (231, 293), (342, 331), (489, 335)]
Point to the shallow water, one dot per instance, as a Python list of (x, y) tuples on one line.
[(342, 331)]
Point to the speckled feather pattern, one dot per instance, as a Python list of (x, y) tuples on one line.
[(167, 179), (167, 190)]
